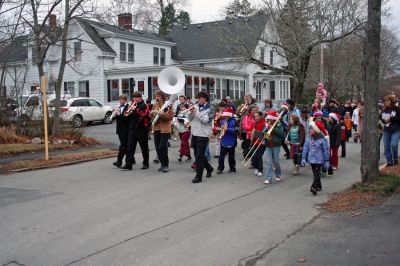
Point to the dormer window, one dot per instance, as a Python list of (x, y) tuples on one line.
[(271, 58), (262, 55), (122, 51)]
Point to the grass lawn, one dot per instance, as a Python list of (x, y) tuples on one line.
[(58, 160), (12, 149)]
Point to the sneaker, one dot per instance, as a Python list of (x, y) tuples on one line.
[(389, 164), (396, 162), (278, 178), (267, 181), (334, 168), (180, 159), (165, 169), (256, 172), (233, 170), (260, 174), (219, 171), (313, 190)]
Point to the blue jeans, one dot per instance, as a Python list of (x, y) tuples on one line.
[(391, 143), (273, 159)]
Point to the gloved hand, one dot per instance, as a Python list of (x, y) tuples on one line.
[(327, 165), (303, 163)]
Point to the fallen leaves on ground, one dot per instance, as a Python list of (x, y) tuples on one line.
[(58, 160), (13, 149), (393, 170), (351, 201)]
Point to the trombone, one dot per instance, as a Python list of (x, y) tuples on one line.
[(255, 147)]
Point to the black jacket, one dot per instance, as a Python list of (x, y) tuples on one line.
[(139, 118), (335, 134), (123, 122), (394, 124)]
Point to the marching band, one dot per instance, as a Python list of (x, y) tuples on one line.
[(315, 140)]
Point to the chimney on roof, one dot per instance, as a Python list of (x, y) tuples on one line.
[(125, 20), (52, 21)]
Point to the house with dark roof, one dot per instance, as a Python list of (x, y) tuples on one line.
[(107, 60)]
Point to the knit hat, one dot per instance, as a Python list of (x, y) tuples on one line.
[(272, 115), (347, 113), (318, 114), (286, 106), (335, 116), (228, 112)]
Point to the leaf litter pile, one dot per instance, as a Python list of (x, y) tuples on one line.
[(364, 195)]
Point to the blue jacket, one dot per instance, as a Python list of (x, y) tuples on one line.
[(229, 139), (316, 150)]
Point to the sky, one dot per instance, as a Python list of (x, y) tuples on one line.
[(209, 10)]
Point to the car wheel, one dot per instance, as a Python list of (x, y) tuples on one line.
[(107, 118), (77, 121)]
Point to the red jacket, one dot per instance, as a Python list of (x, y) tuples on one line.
[(248, 125), (258, 126)]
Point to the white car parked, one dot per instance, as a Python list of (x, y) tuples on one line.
[(84, 110)]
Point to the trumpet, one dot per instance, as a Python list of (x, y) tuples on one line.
[(243, 109), (217, 117), (190, 108), (223, 130), (130, 110), (114, 114)]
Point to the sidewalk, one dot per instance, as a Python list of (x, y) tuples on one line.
[(368, 237)]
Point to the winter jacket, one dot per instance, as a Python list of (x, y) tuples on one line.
[(277, 136), (229, 139), (248, 125), (201, 121), (302, 134), (348, 124), (335, 134), (355, 116), (139, 117), (394, 123), (343, 132), (164, 122), (258, 132), (316, 150)]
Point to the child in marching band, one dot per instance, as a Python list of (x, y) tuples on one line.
[(348, 123), (335, 137), (216, 128), (257, 139), (183, 127), (273, 143), (228, 141), (248, 127), (295, 138), (316, 153)]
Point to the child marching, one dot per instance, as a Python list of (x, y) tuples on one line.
[(296, 139), (316, 153), (257, 140), (182, 125), (273, 143), (335, 136), (228, 141)]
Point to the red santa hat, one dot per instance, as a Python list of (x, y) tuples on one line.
[(285, 106), (228, 112), (335, 116), (272, 115), (318, 127)]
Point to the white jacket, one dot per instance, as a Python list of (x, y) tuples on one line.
[(355, 116), (201, 121)]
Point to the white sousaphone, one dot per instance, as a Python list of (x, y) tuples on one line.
[(171, 80)]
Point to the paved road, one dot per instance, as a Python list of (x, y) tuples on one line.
[(94, 214)]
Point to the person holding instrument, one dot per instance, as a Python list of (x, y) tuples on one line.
[(257, 139), (138, 132), (200, 117), (228, 141), (122, 129), (273, 142), (162, 129)]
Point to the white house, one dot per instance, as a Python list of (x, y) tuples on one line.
[(106, 60)]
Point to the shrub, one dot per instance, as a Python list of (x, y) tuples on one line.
[(8, 136)]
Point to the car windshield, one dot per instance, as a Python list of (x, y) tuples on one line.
[(63, 103), (22, 100)]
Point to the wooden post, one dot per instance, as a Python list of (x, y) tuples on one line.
[(46, 135)]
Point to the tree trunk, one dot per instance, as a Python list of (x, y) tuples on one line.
[(63, 62), (369, 147)]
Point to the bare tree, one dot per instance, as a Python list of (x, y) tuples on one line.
[(370, 147), (303, 26)]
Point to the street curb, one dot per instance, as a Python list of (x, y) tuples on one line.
[(57, 165)]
